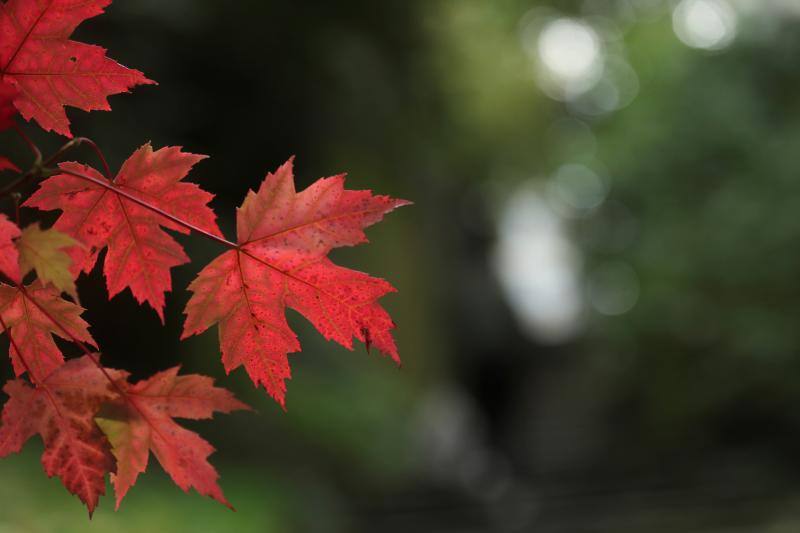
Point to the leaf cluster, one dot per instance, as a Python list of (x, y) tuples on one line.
[(93, 420)]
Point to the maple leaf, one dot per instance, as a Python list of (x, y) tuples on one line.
[(31, 316), (281, 261), (9, 256), (42, 250), (140, 254), (145, 423), (62, 410), (51, 71)]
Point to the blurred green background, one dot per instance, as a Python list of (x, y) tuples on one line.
[(599, 282)]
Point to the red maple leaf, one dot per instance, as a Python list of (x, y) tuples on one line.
[(31, 315), (51, 71), (144, 423), (140, 254), (62, 410), (281, 261), (9, 255)]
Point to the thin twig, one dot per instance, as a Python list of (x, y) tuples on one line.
[(35, 149), (17, 183), (16, 197), (74, 143)]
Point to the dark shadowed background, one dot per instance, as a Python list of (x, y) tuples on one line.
[(599, 282)]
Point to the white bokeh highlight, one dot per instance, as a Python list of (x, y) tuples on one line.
[(705, 24), (539, 268), (569, 57)]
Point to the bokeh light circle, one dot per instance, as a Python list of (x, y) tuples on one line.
[(705, 24)]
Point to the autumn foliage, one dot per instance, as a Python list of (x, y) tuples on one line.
[(93, 420)]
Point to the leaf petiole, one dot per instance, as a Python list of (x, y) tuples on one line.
[(121, 192), (76, 142)]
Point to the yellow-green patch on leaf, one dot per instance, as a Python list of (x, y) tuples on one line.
[(43, 251)]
